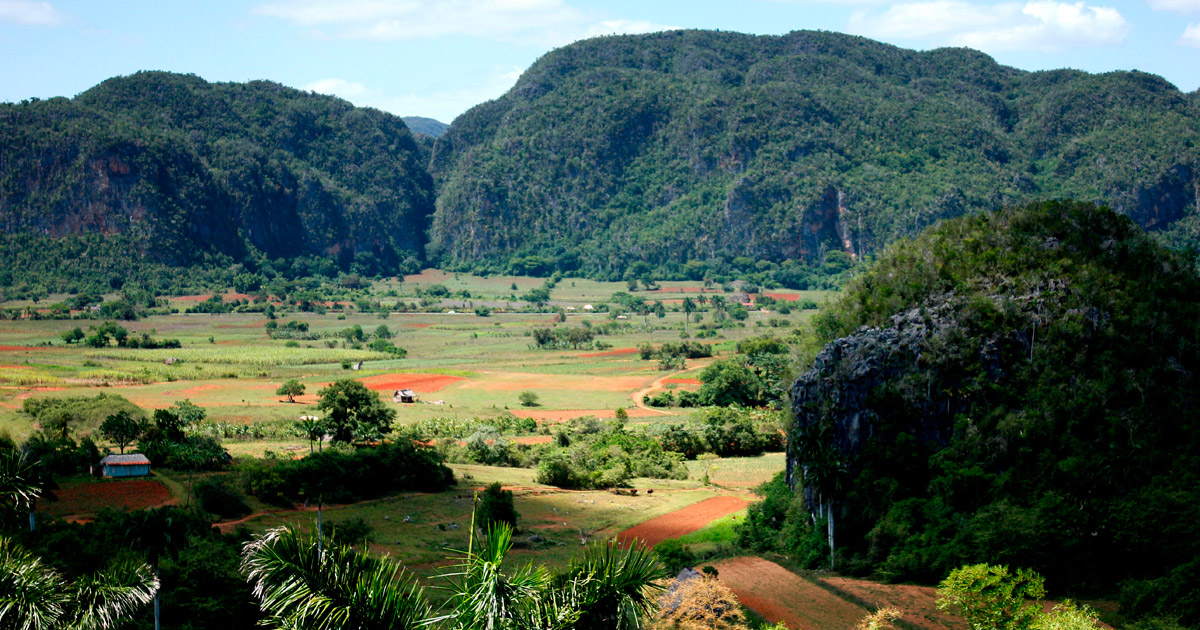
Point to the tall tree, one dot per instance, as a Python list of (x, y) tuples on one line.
[(158, 532), (122, 428), (350, 407)]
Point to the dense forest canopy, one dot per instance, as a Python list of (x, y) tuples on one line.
[(1016, 388), (190, 172), (699, 145)]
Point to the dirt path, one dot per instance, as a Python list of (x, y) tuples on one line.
[(680, 522), (780, 595), (660, 383)]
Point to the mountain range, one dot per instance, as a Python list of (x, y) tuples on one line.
[(675, 153)]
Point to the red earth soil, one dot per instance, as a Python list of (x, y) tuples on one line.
[(611, 353), (918, 603), (420, 383), (682, 381), (19, 348), (191, 391), (786, 297), (17, 367), (418, 325), (680, 522), (780, 595), (88, 498), (532, 439)]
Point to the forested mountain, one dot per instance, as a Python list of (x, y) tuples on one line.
[(425, 126), (1016, 388), (699, 145), (191, 172)]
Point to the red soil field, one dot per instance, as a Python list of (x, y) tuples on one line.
[(88, 498), (611, 353), (19, 348), (418, 325), (16, 367), (533, 439), (780, 595), (191, 391), (786, 297), (918, 603), (682, 381), (420, 383), (680, 522)]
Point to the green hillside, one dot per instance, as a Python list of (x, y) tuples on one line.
[(1015, 388), (705, 146), (192, 172)]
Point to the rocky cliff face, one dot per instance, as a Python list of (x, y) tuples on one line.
[(199, 171)]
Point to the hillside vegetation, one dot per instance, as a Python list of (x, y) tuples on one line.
[(1016, 388), (707, 146), (184, 172)]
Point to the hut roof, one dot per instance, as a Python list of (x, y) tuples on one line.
[(133, 459)]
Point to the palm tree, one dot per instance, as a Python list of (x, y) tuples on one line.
[(823, 475), (484, 598), (299, 584), (688, 307), (21, 482), (156, 532), (35, 597)]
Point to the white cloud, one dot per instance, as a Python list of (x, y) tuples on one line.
[(1191, 36), (31, 13), (543, 22), (443, 105), (1178, 6), (1033, 25), (348, 90)]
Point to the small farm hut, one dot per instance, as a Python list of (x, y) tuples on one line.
[(133, 465), (404, 396)]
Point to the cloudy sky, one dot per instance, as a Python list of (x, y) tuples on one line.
[(437, 58)]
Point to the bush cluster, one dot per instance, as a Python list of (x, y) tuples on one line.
[(343, 475)]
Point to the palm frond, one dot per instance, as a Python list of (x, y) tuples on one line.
[(614, 588), (483, 597), (301, 584), (104, 599), (32, 595), (20, 482)]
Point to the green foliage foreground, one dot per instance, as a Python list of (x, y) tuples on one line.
[(301, 584)]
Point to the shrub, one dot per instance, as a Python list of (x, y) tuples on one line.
[(495, 506), (216, 496)]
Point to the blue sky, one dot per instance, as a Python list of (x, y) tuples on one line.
[(437, 58)]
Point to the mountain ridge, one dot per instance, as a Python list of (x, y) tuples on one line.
[(782, 148)]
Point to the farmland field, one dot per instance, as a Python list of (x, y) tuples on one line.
[(465, 365)]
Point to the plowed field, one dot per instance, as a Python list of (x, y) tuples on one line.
[(780, 595), (918, 603), (420, 383), (680, 522), (88, 498)]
